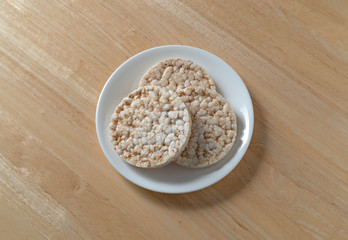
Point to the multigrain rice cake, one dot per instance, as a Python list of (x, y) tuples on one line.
[(150, 127), (174, 73), (214, 127)]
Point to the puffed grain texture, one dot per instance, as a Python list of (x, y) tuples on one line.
[(214, 127), (174, 73), (150, 127)]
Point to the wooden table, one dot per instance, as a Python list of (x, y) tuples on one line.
[(55, 182)]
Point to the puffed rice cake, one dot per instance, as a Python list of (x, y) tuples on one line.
[(214, 127), (150, 127), (172, 73)]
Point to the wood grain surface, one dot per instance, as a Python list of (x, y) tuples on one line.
[(55, 57)]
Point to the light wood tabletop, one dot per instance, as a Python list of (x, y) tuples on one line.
[(56, 183)]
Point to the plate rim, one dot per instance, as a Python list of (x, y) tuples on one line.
[(98, 120)]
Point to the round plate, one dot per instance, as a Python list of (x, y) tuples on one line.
[(173, 178)]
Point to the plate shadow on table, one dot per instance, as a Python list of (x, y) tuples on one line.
[(232, 184)]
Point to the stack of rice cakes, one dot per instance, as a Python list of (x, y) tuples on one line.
[(175, 115)]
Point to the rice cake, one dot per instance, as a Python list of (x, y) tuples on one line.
[(174, 73), (150, 127), (214, 127)]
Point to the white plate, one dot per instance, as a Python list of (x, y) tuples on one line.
[(173, 178)]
